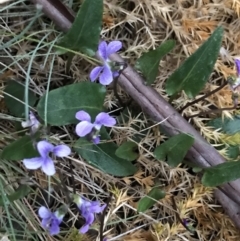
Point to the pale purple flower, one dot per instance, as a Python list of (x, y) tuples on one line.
[(50, 221), (86, 126), (32, 122), (185, 221), (187, 225), (234, 82), (105, 72), (237, 63), (88, 209), (45, 161)]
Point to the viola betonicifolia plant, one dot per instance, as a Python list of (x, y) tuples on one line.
[(51, 220), (234, 83), (33, 123), (45, 161), (49, 153), (88, 209), (108, 71), (81, 107), (85, 127)]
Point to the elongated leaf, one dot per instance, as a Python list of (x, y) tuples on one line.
[(228, 126), (152, 197), (15, 103), (174, 149), (220, 174), (64, 102), (148, 63), (20, 149), (21, 192), (127, 151), (85, 31), (193, 74), (103, 157)]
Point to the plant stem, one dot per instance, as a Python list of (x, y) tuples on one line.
[(203, 97), (103, 215), (64, 188), (212, 111)]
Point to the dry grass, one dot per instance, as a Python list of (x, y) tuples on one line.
[(141, 25)]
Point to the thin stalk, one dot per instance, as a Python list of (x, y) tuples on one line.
[(203, 97), (213, 111), (103, 215)]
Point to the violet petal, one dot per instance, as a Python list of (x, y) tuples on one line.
[(61, 150), (44, 148), (115, 74), (33, 163), (83, 128), (44, 213), (237, 63), (95, 73), (96, 208), (83, 116), (106, 77), (113, 47), (45, 222), (54, 229), (48, 167), (31, 122), (89, 218), (102, 50), (105, 119), (96, 140), (84, 229)]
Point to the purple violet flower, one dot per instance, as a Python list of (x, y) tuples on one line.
[(88, 209), (44, 161), (105, 72), (237, 63), (50, 221), (85, 126), (234, 82), (32, 122)]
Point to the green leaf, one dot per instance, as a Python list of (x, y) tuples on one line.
[(228, 126), (85, 31), (15, 103), (20, 149), (102, 156), (233, 152), (152, 197), (127, 151), (64, 102), (148, 63), (193, 74), (174, 149), (220, 174), (21, 192)]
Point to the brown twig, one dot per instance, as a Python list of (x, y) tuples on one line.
[(203, 97), (158, 109), (212, 111), (72, 177)]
